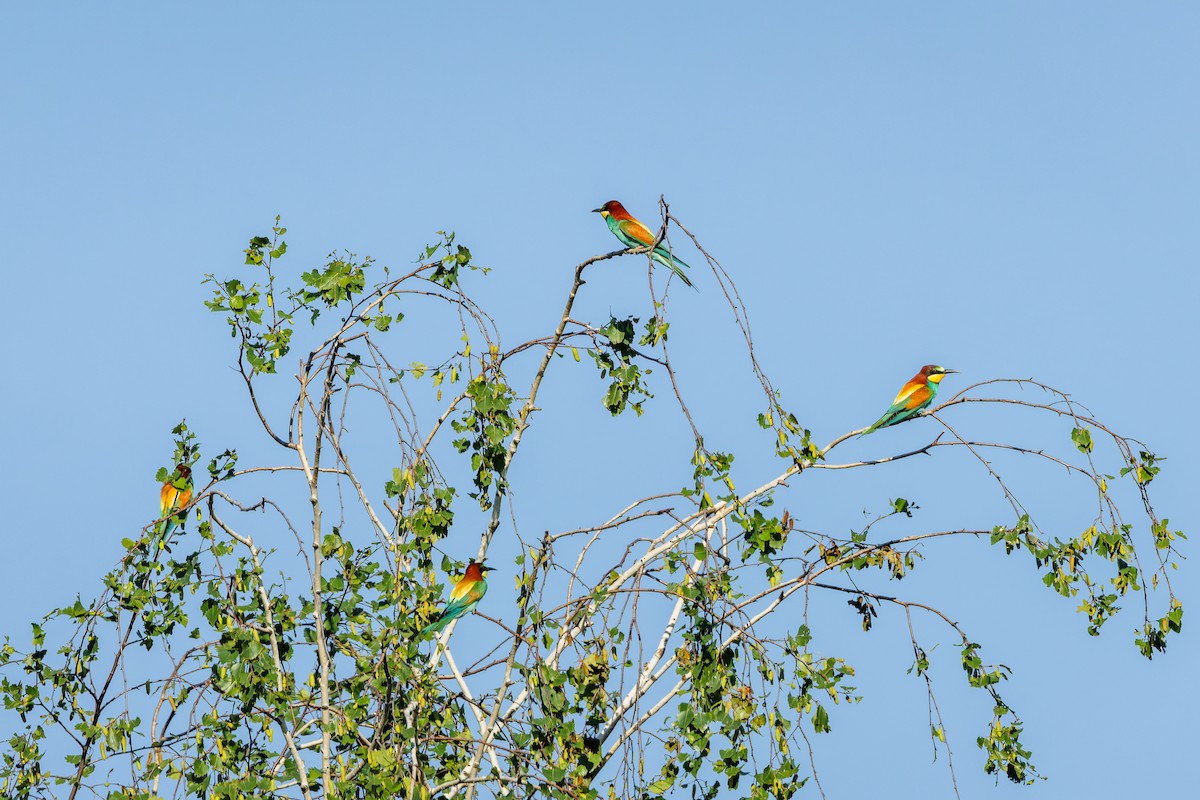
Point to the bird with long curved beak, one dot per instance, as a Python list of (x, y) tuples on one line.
[(175, 495), (914, 397), (632, 233), (465, 595)]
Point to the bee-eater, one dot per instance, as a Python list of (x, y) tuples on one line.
[(463, 598), (633, 233), (914, 397), (176, 494)]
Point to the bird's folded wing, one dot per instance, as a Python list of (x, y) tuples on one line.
[(920, 397), (167, 499), (636, 231), (460, 590), (453, 610), (911, 395)]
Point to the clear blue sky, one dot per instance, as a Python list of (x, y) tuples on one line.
[(1006, 189)]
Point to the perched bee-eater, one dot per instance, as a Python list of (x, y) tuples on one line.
[(176, 494), (914, 397), (463, 598), (633, 233)]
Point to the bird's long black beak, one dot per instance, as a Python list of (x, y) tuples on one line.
[(948, 371), (597, 210)]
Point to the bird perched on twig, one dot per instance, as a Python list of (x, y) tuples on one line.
[(175, 495), (465, 595), (914, 397), (633, 233)]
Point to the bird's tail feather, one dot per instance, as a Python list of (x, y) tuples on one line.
[(683, 276), (437, 626), (882, 422), (676, 265)]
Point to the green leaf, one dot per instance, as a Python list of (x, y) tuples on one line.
[(820, 720)]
